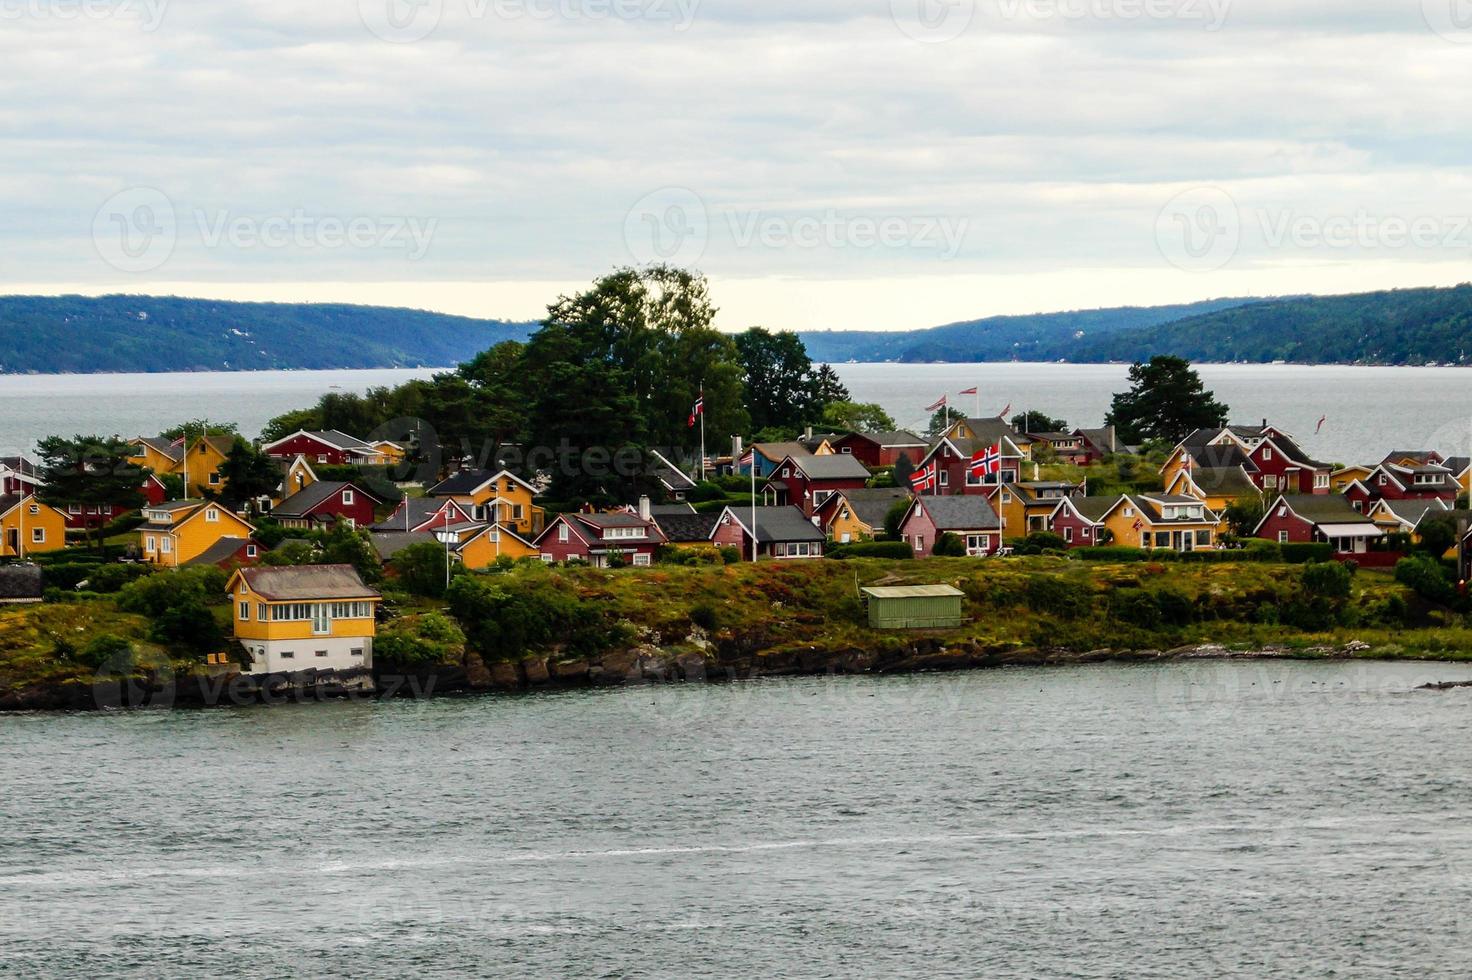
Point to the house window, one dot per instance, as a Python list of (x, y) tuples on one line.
[(1006, 497), (1267, 454), (945, 478), (1086, 532), (356, 652), (261, 611), (517, 512), (1269, 482), (786, 472), (250, 551), (548, 558), (1129, 512), (38, 535), (1203, 539), (1068, 535), (214, 479), (288, 655), (1358, 505), (562, 533), (1382, 480), (73, 509), (919, 542), (1321, 481), (347, 498), (1282, 511), (245, 611), (168, 546), (212, 516), (1162, 539), (641, 561), (321, 653), (1282, 537), (848, 451), (321, 457), (150, 544)]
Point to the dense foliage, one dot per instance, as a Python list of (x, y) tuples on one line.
[(1166, 402)]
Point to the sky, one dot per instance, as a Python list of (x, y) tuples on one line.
[(829, 164)]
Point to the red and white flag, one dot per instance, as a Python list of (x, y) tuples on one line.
[(971, 391), (987, 462), (938, 405), (925, 478), (749, 459), (1320, 427), (1006, 411), (697, 411)]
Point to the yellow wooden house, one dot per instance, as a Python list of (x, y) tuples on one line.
[(1340, 479), (1028, 507), (495, 498), (298, 476), (158, 456), (858, 515), (176, 532), (202, 463), (29, 527), (486, 546), (1216, 487), (990, 432), (306, 617), (1162, 522)]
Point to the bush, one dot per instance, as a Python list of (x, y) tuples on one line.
[(1327, 580), (730, 555), (420, 640), (1176, 608), (189, 625), (504, 623), (105, 650), (706, 491), (1057, 597), (108, 579), (1302, 554), (1424, 576), (155, 595), (1136, 607), (898, 550), (705, 616), (420, 569), (949, 545)]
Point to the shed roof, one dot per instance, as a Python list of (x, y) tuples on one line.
[(913, 592), (307, 583)]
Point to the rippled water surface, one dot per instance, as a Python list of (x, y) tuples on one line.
[(1204, 819)]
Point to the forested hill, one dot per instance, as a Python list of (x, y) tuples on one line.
[(1035, 337), (76, 334), (1402, 327)]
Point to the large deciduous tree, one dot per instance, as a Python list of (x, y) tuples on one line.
[(247, 474), (1166, 402), (90, 471)]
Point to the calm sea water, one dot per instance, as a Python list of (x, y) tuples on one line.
[(1209, 819), (1370, 410)]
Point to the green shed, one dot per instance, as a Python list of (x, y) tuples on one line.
[(914, 607)]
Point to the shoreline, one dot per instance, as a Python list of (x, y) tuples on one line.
[(636, 667)]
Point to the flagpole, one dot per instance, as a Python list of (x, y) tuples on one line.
[(753, 506), (702, 437)]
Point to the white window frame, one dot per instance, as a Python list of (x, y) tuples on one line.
[(212, 516), (347, 498), (641, 560), (563, 533), (1282, 537), (243, 610), (38, 535)]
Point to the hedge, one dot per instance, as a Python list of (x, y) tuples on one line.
[(1121, 554), (871, 549), (1302, 554)]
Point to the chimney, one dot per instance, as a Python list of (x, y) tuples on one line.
[(738, 448), (644, 511), (808, 433)]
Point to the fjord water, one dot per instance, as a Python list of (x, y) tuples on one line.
[(1197, 819), (1370, 411)]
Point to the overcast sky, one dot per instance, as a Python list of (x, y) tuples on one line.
[(871, 164)]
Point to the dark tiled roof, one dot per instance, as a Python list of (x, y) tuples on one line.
[(307, 582), (301, 503), (421, 509), (671, 510), (778, 451), (839, 466), (872, 505), (990, 431), (1325, 509), (890, 440), (1221, 456), (1412, 511), (221, 551), (687, 527), (1294, 452), (389, 543), (1225, 480), (469, 481), (163, 446), (961, 513), (1103, 438), (667, 473), (778, 524), (1093, 508)]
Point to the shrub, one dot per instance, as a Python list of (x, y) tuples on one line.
[(108, 579), (705, 616), (1300, 554), (420, 640), (189, 625), (1424, 576), (706, 491), (106, 649), (1135, 606), (949, 545), (731, 555), (505, 622), (1176, 608), (154, 595), (420, 569), (1057, 597), (898, 550), (1328, 580)]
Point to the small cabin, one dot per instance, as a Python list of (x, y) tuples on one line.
[(914, 607)]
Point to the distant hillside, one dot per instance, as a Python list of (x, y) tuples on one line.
[(1405, 326), (76, 334), (1037, 337)]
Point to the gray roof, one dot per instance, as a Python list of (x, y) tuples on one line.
[(1093, 508), (1221, 456), (1458, 464), (778, 524), (421, 509), (839, 466), (221, 551), (1412, 511), (872, 505), (666, 472), (390, 543), (1323, 509), (991, 430), (301, 503), (1103, 438), (19, 464), (469, 481), (307, 582), (912, 591), (777, 451), (340, 439), (687, 527), (21, 583), (1225, 480), (961, 513), (164, 446), (671, 510), (890, 440)]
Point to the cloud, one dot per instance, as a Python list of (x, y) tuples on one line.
[(813, 143)]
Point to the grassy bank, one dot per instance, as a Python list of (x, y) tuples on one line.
[(774, 614)]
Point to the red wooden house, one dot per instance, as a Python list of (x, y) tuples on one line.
[(424, 514), (330, 448), (81, 517), (17, 476), (970, 518), (782, 533), (228, 553), (880, 449), (1394, 481), (600, 538), (806, 482), (1079, 521), (1307, 519), (327, 502), (954, 455)]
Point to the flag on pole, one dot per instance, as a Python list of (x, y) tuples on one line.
[(986, 462), (938, 405), (747, 460), (925, 478), (1320, 427), (1006, 411), (697, 411), (971, 391)]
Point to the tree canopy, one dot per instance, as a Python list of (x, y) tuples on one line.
[(1166, 402)]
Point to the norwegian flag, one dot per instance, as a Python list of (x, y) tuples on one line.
[(925, 478), (1139, 524), (938, 405), (697, 411), (1320, 427), (971, 391), (987, 462), (1006, 411)]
